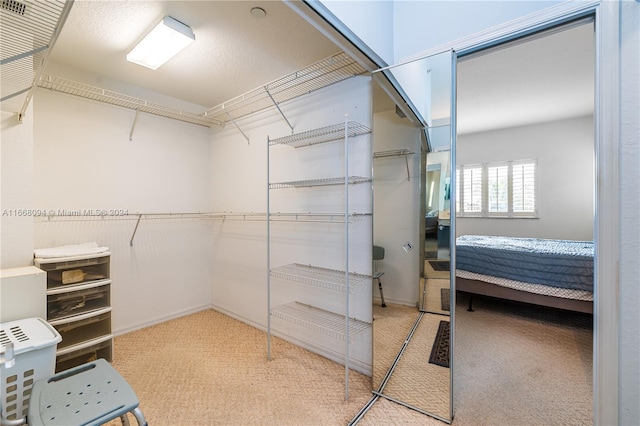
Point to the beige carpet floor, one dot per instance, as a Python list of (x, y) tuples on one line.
[(514, 366), (209, 369)]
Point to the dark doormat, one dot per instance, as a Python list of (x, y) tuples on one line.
[(440, 351), (444, 299), (439, 265)]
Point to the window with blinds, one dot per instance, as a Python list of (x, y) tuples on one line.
[(505, 189)]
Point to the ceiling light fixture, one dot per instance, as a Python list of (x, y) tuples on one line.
[(163, 42)]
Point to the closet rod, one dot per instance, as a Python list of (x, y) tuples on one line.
[(61, 215), (52, 215)]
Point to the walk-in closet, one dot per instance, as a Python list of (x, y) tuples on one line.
[(263, 227)]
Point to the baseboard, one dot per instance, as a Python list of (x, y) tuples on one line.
[(161, 319), (240, 318), (378, 301)]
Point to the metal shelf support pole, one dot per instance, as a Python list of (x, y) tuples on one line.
[(268, 258), (346, 255)]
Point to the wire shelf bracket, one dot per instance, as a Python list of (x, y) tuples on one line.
[(133, 126), (396, 153), (266, 90), (238, 127)]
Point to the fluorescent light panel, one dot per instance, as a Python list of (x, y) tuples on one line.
[(163, 42)]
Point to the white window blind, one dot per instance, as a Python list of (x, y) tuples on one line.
[(498, 189), (524, 188), (472, 189), (505, 189)]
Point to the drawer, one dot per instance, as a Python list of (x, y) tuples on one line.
[(81, 328), (86, 352), (80, 274), (79, 299)]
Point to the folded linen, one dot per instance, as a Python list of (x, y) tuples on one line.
[(69, 250)]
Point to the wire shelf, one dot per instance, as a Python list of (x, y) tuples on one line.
[(321, 135), (323, 73), (107, 96), (319, 320), (320, 277), (392, 153), (29, 29), (319, 182)]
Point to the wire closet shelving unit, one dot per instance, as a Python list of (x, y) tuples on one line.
[(337, 325), (323, 73)]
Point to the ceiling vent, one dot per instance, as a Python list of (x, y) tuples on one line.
[(14, 6)]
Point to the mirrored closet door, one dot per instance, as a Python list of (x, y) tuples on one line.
[(412, 332)]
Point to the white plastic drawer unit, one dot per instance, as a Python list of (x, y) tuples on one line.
[(78, 299), (71, 356), (82, 328)]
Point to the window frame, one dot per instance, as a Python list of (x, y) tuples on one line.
[(484, 210)]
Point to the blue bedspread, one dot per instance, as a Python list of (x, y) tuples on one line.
[(558, 263)]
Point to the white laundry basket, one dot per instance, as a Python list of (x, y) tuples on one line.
[(34, 357)]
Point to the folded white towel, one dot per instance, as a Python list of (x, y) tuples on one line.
[(69, 251)]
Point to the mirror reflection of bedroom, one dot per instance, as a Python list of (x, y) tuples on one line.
[(525, 228)]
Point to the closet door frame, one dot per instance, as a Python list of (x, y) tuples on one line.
[(606, 133)]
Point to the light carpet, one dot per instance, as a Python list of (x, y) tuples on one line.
[(513, 366), (209, 369)]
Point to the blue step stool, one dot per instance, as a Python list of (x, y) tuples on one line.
[(90, 394)]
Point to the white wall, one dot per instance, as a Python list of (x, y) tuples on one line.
[(239, 184), (83, 159), (397, 208), (16, 157), (423, 25), (564, 151)]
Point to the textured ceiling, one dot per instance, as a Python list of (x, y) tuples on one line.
[(234, 52), (547, 78)]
